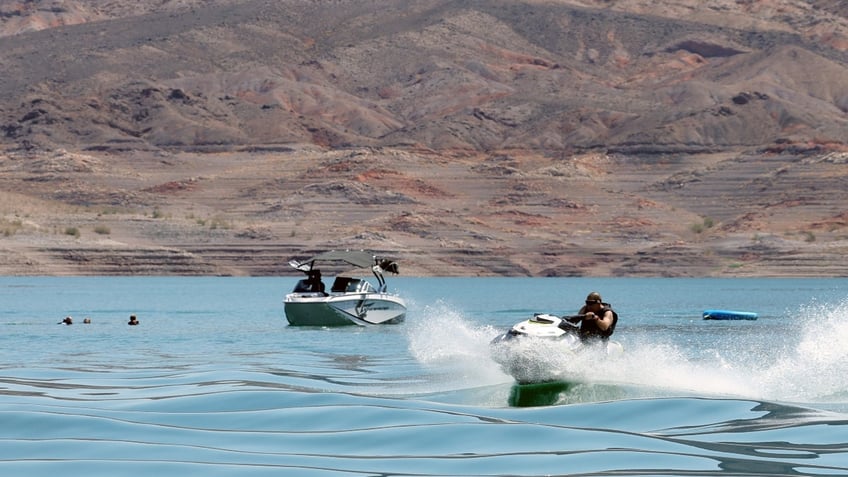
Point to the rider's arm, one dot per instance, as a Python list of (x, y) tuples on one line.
[(604, 322), (579, 316)]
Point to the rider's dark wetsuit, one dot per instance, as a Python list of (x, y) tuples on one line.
[(589, 329)]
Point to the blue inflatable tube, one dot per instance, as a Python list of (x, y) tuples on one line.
[(729, 315)]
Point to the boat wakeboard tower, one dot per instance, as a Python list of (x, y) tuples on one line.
[(383, 265), (380, 266)]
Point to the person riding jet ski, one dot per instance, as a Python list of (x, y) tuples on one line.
[(597, 319)]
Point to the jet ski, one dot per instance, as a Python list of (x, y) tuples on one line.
[(548, 348)]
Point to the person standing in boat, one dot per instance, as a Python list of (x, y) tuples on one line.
[(315, 283), (597, 319)]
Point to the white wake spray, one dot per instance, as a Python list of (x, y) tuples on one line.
[(815, 370), (808, 370), (443, 339)]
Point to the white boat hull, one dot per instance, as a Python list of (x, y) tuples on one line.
[(312, 309)]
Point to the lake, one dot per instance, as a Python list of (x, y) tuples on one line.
[(214, 382)]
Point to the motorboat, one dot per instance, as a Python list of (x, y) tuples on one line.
[(548, 348), (351, 300)]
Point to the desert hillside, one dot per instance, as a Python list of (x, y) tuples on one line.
[(543, 138)]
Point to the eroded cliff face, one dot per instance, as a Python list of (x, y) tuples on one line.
[(464, 138), (248, 213)]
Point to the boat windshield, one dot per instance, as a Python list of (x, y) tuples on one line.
[(351, 285)]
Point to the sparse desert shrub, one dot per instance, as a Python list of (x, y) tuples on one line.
[(704, 225), (109, 211), (10, 227), (102, 230), (218, 222), (72, 231)]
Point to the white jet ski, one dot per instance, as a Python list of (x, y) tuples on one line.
[(548, 348)]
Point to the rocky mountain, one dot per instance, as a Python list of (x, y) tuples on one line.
[(570, 137)]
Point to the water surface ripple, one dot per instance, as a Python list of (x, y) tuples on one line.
[(213, 385)]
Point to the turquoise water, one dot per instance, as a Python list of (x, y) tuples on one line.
[(214, 382)]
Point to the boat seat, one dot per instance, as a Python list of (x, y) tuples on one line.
[(307, 286), (302, 286), (340, 284)]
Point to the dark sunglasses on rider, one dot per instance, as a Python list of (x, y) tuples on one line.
[(591, 302)]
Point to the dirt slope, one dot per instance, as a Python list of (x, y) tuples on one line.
[(678, 138)]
